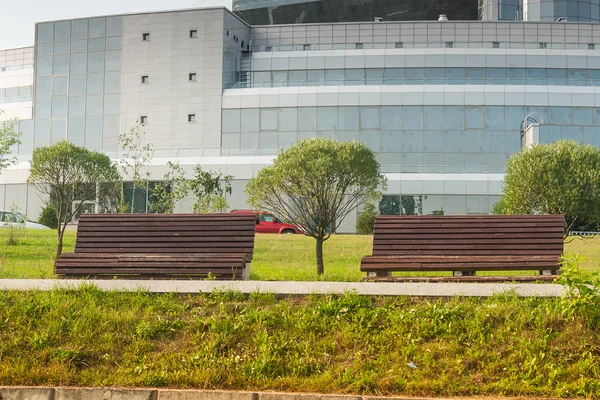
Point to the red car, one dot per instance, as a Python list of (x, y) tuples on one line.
[(268, 223)]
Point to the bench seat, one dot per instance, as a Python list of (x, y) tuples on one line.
[(463, 245), (159, 246)]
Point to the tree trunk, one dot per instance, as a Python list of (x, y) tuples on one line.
[(320, 266), (60, 242)]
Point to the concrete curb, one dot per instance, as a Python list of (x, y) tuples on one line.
[(60, 393), (287, 288)]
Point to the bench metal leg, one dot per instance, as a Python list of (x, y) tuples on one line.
[(378, 273), (246, 272), (463, 273)]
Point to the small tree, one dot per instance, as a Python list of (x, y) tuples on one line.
[(210, 188), (173, 189), (558, 178), (366, 220), (135, 159), (49, 217), (69, 173), (315, 184), (8, 138)]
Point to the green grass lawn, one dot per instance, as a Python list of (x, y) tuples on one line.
[(276, 257), (501, 346)]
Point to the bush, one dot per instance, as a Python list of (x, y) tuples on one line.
[(49, 217), (366, 220)]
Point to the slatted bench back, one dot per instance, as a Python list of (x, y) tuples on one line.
[(166, 233), (482, 235)]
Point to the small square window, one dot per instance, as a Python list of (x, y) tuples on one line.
[(193, 33), (191, 117), (542, 45), (146, 37), (192, 77), (268, 48), (359, 45), (145, 79), (227, 33), (399, 45), (449, 45), (306, 47), (143, 119), (495, 45), (591, 46)]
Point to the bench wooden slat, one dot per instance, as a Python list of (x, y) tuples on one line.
[(465, 279)]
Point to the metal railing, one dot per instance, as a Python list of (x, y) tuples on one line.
[(18, 99), (442, 169), (15, 67), (420, 82)]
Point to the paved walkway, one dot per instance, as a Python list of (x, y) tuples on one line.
[(298, 288)]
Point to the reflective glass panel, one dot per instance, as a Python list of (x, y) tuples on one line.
[(62, 47), (76, 106), (43, 66), (79, 29), (288, 119), (114, 43), (307, 119), (348, 118), (454, 117), (412, 117), (95, 61), (113, 60), (59, 128), (93, 127), (60, 86), (249, 120), (59, 107), (114, 26), (95, 83), (44, 49), (62, 31), (45, 32), (112, 82), (474, 117), (231, 121), (327, 118), (43, 87), (369, 118), (78, 63), (494, 118), (93, 105), (110, 126), (43, 108), (583, 116), (112, 104), (61, 64), (42, 129), (96, 44), (96, 28), (77, 84), (434, 117)]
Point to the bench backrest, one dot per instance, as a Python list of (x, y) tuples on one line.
[(469, 235), (166, 233)]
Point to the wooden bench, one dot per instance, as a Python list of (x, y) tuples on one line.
[(464, 245), (161, 246)]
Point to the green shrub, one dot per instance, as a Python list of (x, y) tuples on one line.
[(582, 299), (49, 217), (366, 220)]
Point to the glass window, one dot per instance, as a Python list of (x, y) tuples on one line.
[(433, 141), (59, 107), (412, 117), (473, 141), (79, 29), (62, 31), (78, 46), (112, 104), (43, 108), (399, 45), (112, 82), (62, 47), (434, 118), (93, 105), (44, 49), (249, 120), (327, 118), (45, 32), (559, 115), (354, 76), (111, 126), (96, 27), (495, 45), (389, 205), (455, 75), (76, 106), (315, 77), (231, 121), (369, 118), (43, 87), (78, 63), (96, 44), (307, 119), (374, 76), (114, 43), (26, 130), (572, 132), (12, 92), (288, 119), (61, 64), (583, 116), (412, 141), (268, 139), (42, 129), (113, 60), (475, 76), (268, 120), (193, 33), (494, 118), (77, 84), (95, 83), (453, 141), (474, 117), (59, 128), (454, 117), (60, 86), (334, 77), (146, 37), (298, 78), (93, 127), (95, 61), (513, 116), (43, 66), (114, 26), (391, 117), (279, 78), (391, 141), (494, 142), (415, 75), (348, 118)]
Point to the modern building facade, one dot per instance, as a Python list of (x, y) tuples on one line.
[(442, 102)]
